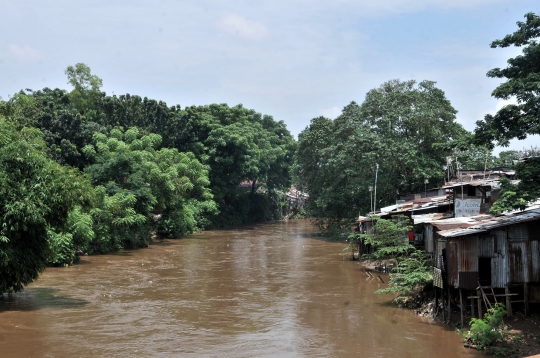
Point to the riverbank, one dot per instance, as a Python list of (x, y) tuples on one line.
[(523, 331)]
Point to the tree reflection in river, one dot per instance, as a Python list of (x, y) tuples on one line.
[(265, 290)]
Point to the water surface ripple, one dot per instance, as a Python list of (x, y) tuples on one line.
[(268, 290)]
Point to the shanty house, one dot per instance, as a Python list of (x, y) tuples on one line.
[(496, 252)]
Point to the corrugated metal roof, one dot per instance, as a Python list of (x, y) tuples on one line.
[(484, 223), (428, 218)]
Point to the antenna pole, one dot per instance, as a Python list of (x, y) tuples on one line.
[(375, 195)]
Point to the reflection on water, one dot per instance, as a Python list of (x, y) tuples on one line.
[(35, 298), (267, 290)]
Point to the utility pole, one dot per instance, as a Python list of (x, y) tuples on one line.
[(426, 181), (371, 198), (375, 195)]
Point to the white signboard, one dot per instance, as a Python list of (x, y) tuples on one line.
[(467, 207)]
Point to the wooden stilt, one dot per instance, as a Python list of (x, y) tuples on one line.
[(479, 294), (508, 302), (449, 308), (461, 306), (472, 307), (526, 298), (436, 302), (442, 301)]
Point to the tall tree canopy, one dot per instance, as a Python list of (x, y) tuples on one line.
[(396, 127), (235, 143), (522, 83), (36, 194), (517, 120)]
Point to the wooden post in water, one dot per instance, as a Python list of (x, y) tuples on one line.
[(436, 307), (449, 308), (508, 303), (442, 301), (461, 306)]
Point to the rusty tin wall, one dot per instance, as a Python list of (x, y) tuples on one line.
[(452, 262), (534, 261), (518, 232), (517, 262), (523, 261), (468, 280), (486, 245), (499, 269), (468, 254)]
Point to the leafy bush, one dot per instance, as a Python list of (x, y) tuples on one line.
[(488, 330), (388, 239), (61, 248), (411, 275)]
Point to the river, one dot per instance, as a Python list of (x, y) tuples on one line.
[(267, 290)]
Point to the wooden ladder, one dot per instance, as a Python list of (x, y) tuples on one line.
[(485, 295)]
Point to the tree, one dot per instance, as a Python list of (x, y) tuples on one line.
[(86, 86), (410, 277), (388, 239), (516, 120), (65, 129), (136, 181), (518, 196), (522, 74), (36, 194), (397, 127)]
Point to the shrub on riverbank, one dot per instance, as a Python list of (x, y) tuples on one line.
[(410, 279), (488, 330)]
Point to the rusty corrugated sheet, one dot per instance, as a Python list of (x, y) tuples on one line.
[(518, 224), (468, 280), (468, 254), (534, 273), (452, 262), (517, 262), (518, 232), (486, 245), (499, 269)]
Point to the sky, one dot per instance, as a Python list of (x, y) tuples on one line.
[(294, 60)]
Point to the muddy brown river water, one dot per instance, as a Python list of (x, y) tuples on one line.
[(269, 290)]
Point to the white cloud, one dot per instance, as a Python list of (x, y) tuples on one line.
[(237, 25), (24, 53), (331, 113)]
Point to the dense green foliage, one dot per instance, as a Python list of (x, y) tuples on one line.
[(522, 74), (516, 120), (150, 170), (411, 275), (134, 180), (396, 127), (412, 269), (389, 239), (488, 330), (36, 195), (517, 196)]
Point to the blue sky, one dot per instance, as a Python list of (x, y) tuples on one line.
[(294, 60)]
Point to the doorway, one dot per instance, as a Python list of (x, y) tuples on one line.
[(484, 271)]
